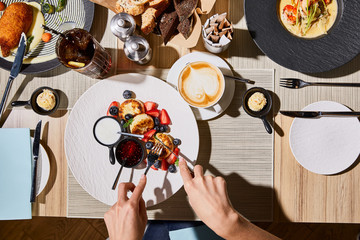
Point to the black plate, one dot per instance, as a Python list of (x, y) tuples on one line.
[(339, 46), (51, 64)]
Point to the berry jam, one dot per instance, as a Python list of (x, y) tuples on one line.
[(129, 151)]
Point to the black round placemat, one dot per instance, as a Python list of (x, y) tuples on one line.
[(339, 46), (51, 64)]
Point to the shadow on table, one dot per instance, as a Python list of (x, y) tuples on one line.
[(41, 199), (274, 112), (258, 203), (243, 38), (15, 97)]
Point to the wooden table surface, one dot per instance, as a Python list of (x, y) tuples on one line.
[(300, 195)]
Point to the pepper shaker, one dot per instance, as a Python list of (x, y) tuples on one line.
[(122, 25), (137, 49)]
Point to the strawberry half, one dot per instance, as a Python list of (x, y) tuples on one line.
[(153, 113), (164, 117), (150, 106), (148, 135), (173, 156), (164, 165)]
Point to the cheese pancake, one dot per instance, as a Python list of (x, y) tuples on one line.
[(131, 106), (141, 124)]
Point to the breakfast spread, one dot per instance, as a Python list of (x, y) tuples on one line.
[(201, 84), (153, 123), (46, 100), (257, 101), (165, 16), (308, 18)]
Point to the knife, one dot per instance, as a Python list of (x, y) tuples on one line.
[(317, 114), (15, 69), (36, 146)]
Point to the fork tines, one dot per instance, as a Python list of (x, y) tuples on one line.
[(288, 83), (155, 151)]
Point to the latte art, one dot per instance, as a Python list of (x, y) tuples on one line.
[(201, 84)]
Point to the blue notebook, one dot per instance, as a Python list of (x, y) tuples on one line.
[(194, 233), (15, 173)]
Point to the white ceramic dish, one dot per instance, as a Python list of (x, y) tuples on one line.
[(223, 104), (326, 145), (43, 170), (89, 161)]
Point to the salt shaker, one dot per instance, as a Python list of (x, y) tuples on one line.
[(137, 49), (122, 25)]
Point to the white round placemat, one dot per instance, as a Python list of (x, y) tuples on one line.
[(326, 145), (89, 161), (43, 170), (224, 102)]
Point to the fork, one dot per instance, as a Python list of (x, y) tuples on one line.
[(153, 156), (298, 83)]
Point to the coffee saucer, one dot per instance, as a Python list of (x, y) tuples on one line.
[(224, 102)]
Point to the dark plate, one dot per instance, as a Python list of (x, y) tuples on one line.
[(85, 16), (339, 46)]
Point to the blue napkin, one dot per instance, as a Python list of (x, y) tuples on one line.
[(194, 233), (15, 173)]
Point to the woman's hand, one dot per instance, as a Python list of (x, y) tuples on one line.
[(127, 218), (209, 198)]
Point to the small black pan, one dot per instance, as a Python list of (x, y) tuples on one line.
[(123, 161), (32, 102), (262, 113)]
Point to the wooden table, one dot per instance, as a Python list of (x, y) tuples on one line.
[(301, 196)]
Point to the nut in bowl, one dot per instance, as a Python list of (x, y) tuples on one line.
[(201, 84)]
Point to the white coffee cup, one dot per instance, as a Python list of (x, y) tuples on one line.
[(201, 84)]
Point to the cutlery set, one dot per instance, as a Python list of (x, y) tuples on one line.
[(296, 83)]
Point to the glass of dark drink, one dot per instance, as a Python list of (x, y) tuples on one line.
[(79, 50)]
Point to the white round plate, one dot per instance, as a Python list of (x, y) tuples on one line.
[(223, 104), (326, 145), (43, 170), (89, 161)]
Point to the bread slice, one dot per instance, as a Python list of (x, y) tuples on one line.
[(148, 20), (159, 4), (127, 6), (131, 106), (140, 2), (141, 124), (168, 24), (185, 8), (185, 27)]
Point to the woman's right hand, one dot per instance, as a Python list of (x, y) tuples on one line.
[(209, 198)]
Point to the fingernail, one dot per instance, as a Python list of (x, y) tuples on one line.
[(181, 159), (142, 176)]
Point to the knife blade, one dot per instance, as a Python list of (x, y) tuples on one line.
[(15, 69), (36, 146), (317, 114)]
